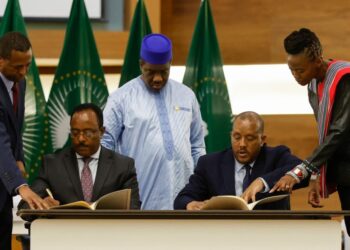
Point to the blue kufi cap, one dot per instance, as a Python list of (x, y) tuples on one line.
[(156, 49)]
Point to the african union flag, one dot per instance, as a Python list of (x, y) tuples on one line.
[(205, 75), (79, 77)]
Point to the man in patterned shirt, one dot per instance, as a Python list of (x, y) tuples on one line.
[(156, 121)]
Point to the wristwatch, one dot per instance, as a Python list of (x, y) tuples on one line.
[(298, 172)]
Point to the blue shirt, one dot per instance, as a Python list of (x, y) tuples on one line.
[(240, 172), (162, 131)]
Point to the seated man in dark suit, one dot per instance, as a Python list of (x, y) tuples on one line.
[(85, 171), (248, 169)]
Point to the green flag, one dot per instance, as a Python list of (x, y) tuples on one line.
[(35, 129), (140, 27), (79, 76), (205, 75)]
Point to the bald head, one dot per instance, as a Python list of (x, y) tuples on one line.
[(253, 118), (247, 136)]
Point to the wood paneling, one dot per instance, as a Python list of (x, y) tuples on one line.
[(49, 43), (298, 132), (249, 32), (154, 12), (16, 245), (252, 31)]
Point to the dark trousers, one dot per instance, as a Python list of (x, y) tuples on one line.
[(344, 196), (6, 225)]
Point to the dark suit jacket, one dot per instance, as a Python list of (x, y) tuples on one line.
[(60, 174), (215, 175), (11, 148)]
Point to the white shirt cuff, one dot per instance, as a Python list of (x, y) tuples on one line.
[(267, 188)]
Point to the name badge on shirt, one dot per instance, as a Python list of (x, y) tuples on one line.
[(178, 108)]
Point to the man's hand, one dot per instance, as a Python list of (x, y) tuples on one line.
[(286, 184), (21, 167), (195, 205), (51, 202), (33, 200), (255, 187), (314, 194)]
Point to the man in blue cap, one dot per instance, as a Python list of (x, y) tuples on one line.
[(156, 121)]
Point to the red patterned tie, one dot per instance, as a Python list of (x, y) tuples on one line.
[(15, 96), (86, 180)]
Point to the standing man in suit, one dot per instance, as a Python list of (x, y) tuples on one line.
[(85, 171), (15, 59), (248, 163)]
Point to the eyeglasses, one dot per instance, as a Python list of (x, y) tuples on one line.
[(87, 133)]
